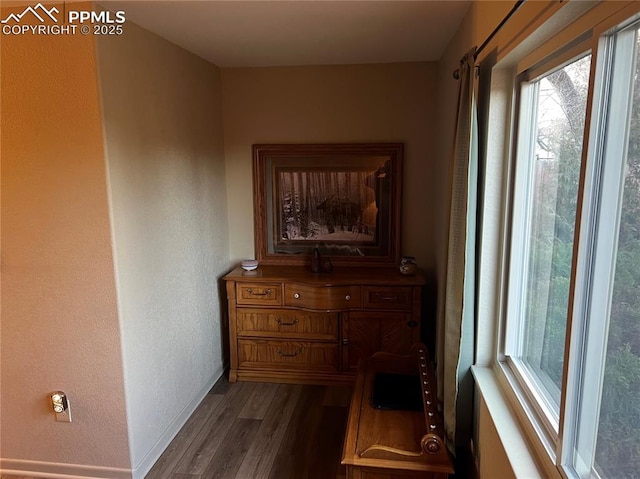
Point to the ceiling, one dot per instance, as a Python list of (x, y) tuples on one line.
[(244, 33)]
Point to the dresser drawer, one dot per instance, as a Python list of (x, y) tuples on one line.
[(286, 323), (387, 297), (266, 294), (321, 297), (287, 355)]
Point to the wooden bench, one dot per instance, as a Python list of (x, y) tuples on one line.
[(390, 444)]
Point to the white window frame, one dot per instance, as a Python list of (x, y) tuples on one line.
[(603, 190), (556, 447), (542, 408)]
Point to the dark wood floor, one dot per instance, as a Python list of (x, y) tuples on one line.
[(260, 431)]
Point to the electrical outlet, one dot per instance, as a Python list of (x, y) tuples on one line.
[(61, 407)]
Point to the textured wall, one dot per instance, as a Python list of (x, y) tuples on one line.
[(59, 326), (332, 104), (165, 159)]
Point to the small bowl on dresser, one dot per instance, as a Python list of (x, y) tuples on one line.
[(249, 264)]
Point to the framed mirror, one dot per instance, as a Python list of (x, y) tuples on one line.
[(344, 199)]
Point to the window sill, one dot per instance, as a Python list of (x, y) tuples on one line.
[(519, 452)]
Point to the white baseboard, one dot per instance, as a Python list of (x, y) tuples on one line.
[(53, 470), (173, 429)]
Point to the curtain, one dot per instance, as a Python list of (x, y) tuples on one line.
[(456, 335)]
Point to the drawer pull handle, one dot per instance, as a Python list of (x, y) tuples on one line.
[(348, 297), (387, 298), (296, 295), (266, 292), (289, 355), (279, 321)]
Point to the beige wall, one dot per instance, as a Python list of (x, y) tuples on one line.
[(165, 161), (59, 325), (111, 259), (491, 458), (331, 104)]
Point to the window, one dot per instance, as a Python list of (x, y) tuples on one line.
[(614, 314), (550, 141), (571, 337)]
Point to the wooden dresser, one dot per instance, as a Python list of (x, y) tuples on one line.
[(287, 324)]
